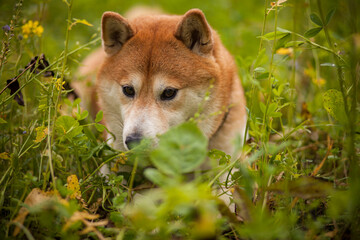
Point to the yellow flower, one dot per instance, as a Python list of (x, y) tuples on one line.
[(32, 28), (320, 81), (119, 161), (310, 71), (4, 155), (285, 51), (59, 84), (278, 157), (73, 186), (38, 30)]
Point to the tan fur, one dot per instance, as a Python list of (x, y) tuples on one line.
[(158, 51)]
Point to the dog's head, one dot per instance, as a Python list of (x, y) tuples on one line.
[(156, 73)]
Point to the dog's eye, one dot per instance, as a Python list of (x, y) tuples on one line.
[(168, 94), (128, 91)]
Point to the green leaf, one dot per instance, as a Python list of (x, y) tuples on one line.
[(283, 30), (222, 157), (329, 16), (99, 116), (157, 177), (334, 104), (276, 92), (272, 107), (262, 107), (261, 58), (66, 125), (294, 44), (82, 115), (281, 88), (312, 32), (99, 127), (67, 102), (259, 70), (282, 41), (275, 114), (116, 218), (180, 150), (2, 121), (315, 19), (271, 36), (263, 76), (76, 102)]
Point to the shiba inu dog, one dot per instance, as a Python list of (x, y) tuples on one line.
[(154, 73)]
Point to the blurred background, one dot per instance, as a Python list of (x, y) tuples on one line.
[(239, 23)]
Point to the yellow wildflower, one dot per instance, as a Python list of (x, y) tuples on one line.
[(4, 155), (285, 51), (119, 161), (310, 71), (319, 81), (38, 30), (73, 185), (59, 84), (32, 28)]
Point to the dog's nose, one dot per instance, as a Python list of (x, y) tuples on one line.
[(132, 140)]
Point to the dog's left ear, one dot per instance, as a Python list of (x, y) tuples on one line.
[(194, 31)]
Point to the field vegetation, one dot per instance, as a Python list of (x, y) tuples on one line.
[(297, 176)]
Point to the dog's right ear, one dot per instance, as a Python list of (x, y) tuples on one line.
[(194, 31), (115, 31)]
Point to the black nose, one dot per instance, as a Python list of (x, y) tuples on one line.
[(132, 140)]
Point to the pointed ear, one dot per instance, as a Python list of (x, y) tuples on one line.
[(194, 31), (115, 31)]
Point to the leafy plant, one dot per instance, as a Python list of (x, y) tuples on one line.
[(297, 176)]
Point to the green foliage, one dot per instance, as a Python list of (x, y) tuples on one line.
[(297, 176), (180, 150), (334, 104)]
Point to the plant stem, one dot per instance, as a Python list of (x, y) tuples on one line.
[(293, 69), (353, 157), (99, 167), (133, 172), (338, 67), (62, 73), (264, 25), (265, 129), (49, 138)]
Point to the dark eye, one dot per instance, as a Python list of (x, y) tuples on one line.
[(128, 91), (168, 94)]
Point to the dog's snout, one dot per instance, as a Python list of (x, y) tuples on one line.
[(132, 140)]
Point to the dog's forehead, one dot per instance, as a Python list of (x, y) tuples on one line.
[(155, 51)]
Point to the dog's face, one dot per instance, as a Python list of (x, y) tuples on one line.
[(156, 74)]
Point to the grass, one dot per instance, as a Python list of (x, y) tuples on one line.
[(298, 173)]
